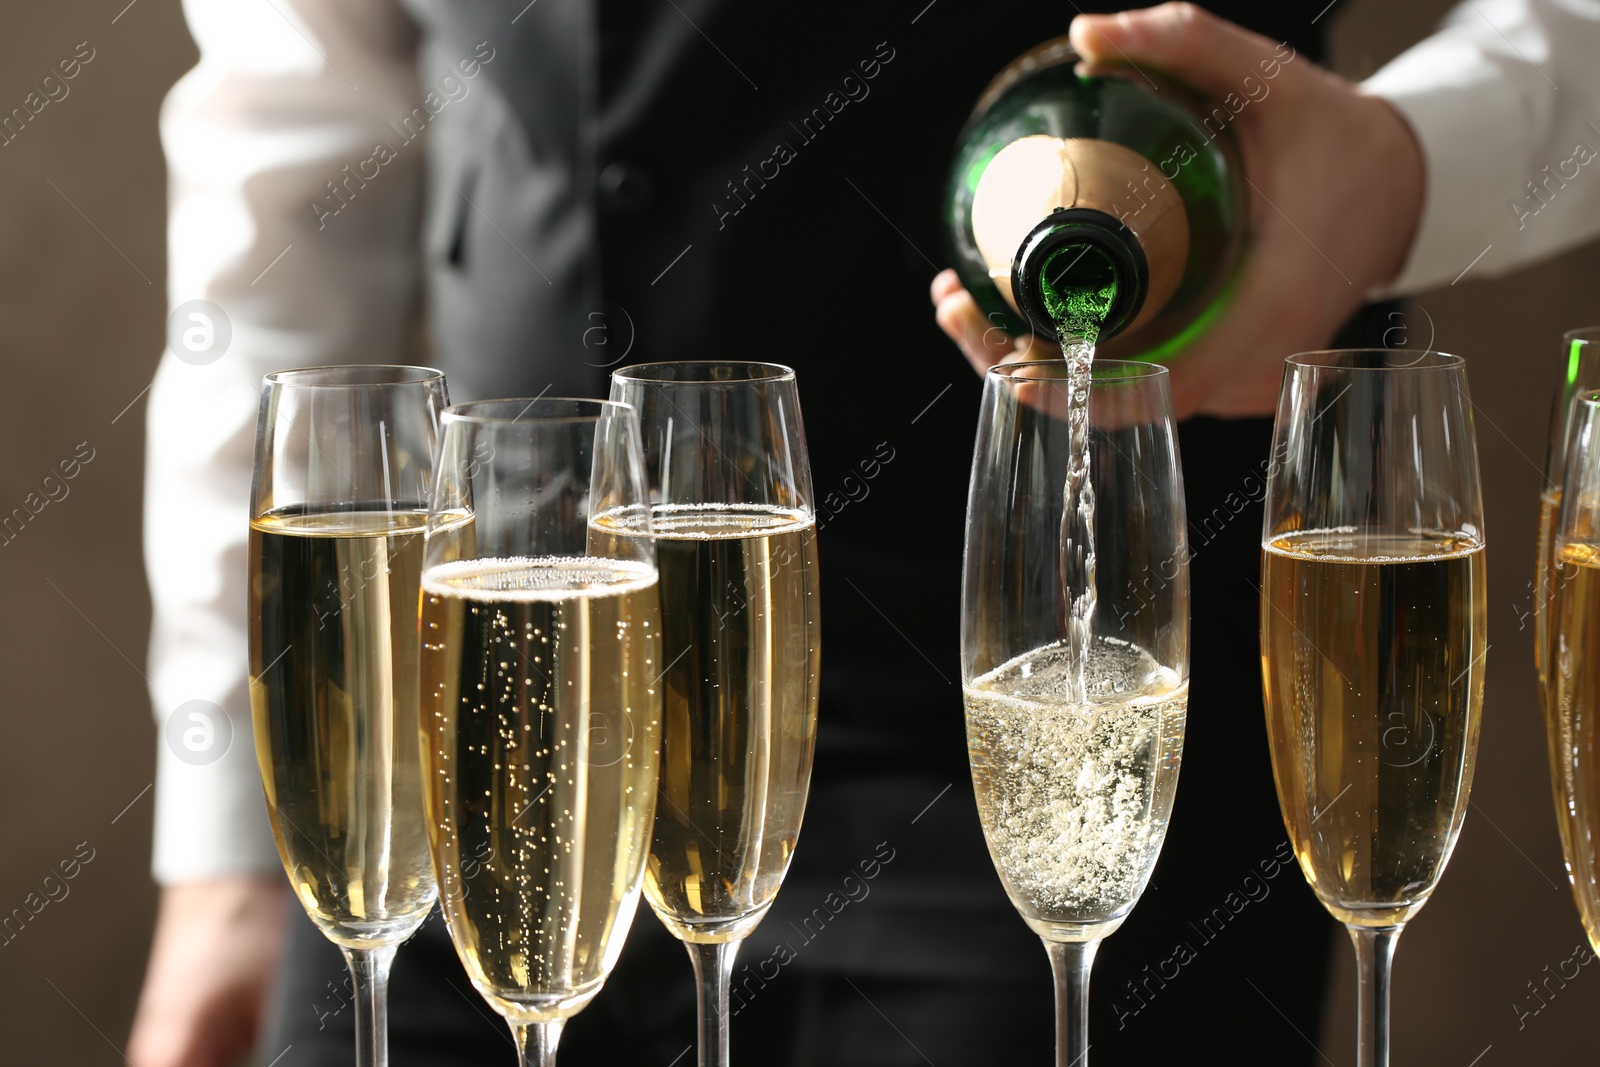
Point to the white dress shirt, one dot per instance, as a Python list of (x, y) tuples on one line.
[(288, 94), (285, 95), (1505, 100)]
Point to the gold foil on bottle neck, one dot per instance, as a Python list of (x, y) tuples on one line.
[(1032, 177), (1023, 184)]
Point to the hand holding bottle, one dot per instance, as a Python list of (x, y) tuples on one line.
[(1337, 185)]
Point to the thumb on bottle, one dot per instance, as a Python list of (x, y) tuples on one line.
[(1204, 52)]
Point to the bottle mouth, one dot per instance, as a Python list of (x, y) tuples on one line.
[(1077, 268)]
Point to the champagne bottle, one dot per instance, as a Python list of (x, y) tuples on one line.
[(1096, 201)]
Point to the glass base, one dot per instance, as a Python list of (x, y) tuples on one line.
[(536, 1009), (1068, 932), (713, 931), (1375, 916), (358, 934)]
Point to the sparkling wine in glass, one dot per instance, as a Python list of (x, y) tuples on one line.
[(1373, 634), (541, 706), (1075, 720), (1580, 374), (344, 461), (1574, 680), (730, 497)]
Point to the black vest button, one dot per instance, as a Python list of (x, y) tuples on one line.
[(625, 187)]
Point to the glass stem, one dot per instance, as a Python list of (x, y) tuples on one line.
[(536, 1043), (1070, 961), (713, 972), (369, 974), (1374, 955)]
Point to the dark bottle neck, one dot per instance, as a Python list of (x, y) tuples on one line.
[(1077, 269)]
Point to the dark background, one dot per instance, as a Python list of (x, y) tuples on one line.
[(82, 302)]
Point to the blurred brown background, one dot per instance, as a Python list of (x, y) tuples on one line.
[(82, 300)]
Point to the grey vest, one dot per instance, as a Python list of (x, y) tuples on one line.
[(509, 229)]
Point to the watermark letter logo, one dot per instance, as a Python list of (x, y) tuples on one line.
[(1407, 743), (199, 332), (199, 732), (608, 737), (608, 335)]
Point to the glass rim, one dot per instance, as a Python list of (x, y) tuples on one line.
[(1129, 370), (496, 412), (1583, 335), (1328, 359), (405, 374), (1588, 397), (656, 372)]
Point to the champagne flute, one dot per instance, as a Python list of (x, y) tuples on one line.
[(1575, 664), (344, 458), (730, 494), (1075, 732), (1580, 357), (1373, 635), (541, 642)]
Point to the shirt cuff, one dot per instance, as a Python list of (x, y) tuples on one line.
[(1451, 93), (211, 817)]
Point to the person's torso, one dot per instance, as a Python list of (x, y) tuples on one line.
[(638, 180)]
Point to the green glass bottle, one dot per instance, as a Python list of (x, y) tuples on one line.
[(1096, 202)]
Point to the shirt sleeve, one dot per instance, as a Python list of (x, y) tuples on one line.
[(292, 240), (1505, 101)]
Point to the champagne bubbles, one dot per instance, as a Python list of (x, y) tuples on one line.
[(1075, 782), (199, 732)]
